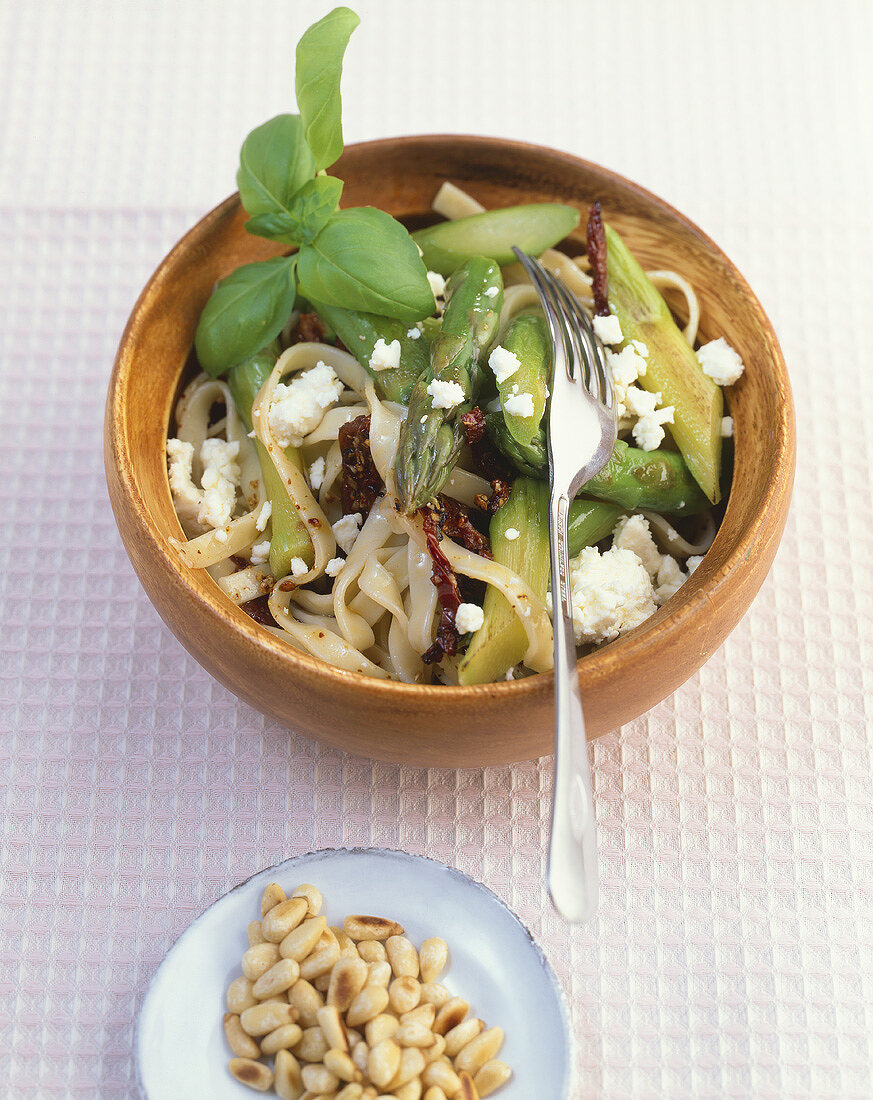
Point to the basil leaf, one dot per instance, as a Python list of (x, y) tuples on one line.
[(365, 260), (247, 310), (317, 80), (306, 216), (274, 163)]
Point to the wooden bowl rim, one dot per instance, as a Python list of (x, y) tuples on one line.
[(594, 667)]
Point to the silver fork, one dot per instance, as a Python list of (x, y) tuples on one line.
[(581, 436)]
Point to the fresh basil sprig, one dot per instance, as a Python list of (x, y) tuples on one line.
[(365, 260), (247, 310), (317, 83), (274, 163), (361, 259), (306, 216)]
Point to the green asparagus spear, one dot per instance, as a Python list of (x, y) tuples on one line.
[(290, 539), (360, 332), (658, 480), (431, 436), (533, 228), (500, 643), (672, 368), (528, 339)]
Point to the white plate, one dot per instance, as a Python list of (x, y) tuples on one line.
[(494, 963)]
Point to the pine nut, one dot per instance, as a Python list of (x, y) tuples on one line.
[(272, 895), (281, 976), (432, 993), (415, 1034), (459, 1036), (411, 1065), (491, 1076), (431, 1054), (331, 1024), (381, 1027), (479, 1050), (410, 1091), (435, 1093), (307, 1000), (372, 1000), (319, 1078), (258, 960), (348, 948), (262, 1019), (353, 1091), (321, 961), (404, 994), (402, 956), (379, 973), (322, 983), (283, 1038), (240, 1043), (433, 956), (468, 1088), (312, 895), (283, 918), (347, 979), (254, 1074), (383, 1062), (362, 927), (254, 933), (342, 1065), (424, 1014), (372, 951), (301, 941), (442, 1074), (451, 1014), (240, 996), (312, 1046), (360, 1055), (288, 1083)]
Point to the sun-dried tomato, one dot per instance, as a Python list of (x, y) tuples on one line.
[(309, 329), (473, 423), (446, 583), (596, 236), (361, 484), (259, 609), (458, 526)]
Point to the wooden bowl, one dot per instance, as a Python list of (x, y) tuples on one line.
[(434, 725)]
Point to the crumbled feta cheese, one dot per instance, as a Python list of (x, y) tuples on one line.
[(346, 530), (334, 566), (504, 363), (727, 427), (719, 360), (413, 333), (669, 579), (519, 404), (316, 474), (608, 329), (385, 356), (445, 395), (648, 433), (641, 349), (510, 674), (263, 516), (437, 284), (468, 617), (511, 533), (641, 402), (260, 552), (492, 292), (610, 593), (692, 563), (298, 567), (634, 533), (186, 495), (626, 367), (221, 535), (219, 479), (298, 408)]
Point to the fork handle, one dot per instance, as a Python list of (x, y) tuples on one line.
[(572, 873)]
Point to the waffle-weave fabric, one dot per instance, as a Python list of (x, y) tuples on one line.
[(733, 951)]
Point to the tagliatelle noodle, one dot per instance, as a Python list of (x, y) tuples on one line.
[(673, 543), (675, 280)]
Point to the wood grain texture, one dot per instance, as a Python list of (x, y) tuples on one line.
[(432, 725)]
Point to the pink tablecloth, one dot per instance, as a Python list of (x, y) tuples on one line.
[(733, 953)]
